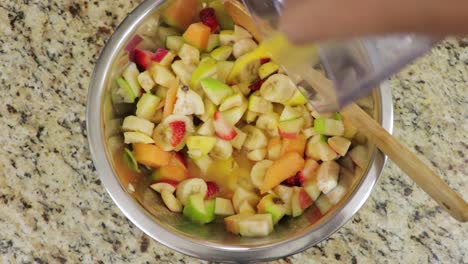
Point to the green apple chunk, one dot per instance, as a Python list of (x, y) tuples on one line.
[(174, 43), (231, 101), (147, 106), (227, 37), (273, 205), (222, 53), (206, 68), (122, 92), (329, 127), (202, 143), (130, 74), (213, 42), (290, 113), (215, 90), (198, 210), (164, 32), (189, 54)]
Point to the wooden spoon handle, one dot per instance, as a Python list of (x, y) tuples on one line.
[(419, 172)]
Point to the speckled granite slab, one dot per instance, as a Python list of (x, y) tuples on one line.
[(53, 208)]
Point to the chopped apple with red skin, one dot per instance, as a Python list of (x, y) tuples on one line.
[(189, 54), (130, 74), (161, 75), (143, 58), (232, 222), (291, 128), (310, 168), (285, 193), (257, 225), (320, 151), (256, 139), (162, 186), (300, 201), (246, 208), (323, 204), (238, 141), (241, 195), (329, 127), (171, 202), (146, 81), (223, 129), (360, 156), (339, 144), (163, 57), (189, 187), (312, 189), (223, 206), (234, 115), (273, 205), (327, 176), (215, 90), (199, 210)]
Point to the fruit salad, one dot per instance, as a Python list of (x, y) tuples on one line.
[(220, 131)]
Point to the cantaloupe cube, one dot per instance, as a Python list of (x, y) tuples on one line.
[(297, 144), (180, 13), (150, 155), (197, 35), (281, 169)]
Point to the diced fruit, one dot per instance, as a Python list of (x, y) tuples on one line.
[(122, 92), (222, 150), (257, 154), (223, 70), (222, 53), (210, 109), (278, 88), (232, 223), (246, 208), (327, 176), (137, 137), (274, 148), (143, 58), (132, 44), (347, 163), (290, 129), (256, 139), (246, 67), (241, 33), (147, 106), (208, 17), (165, 32), (197, 35), (206, 129), (183, 71), (329, 127), (360, 138), (310, 167), (250, 116), (256, 85), (203, 163), (171, 202), (170, 172), (133, 123), (296, 180), (174, 43), (202, 143), (319, 138), (259, 105), (258, 225), (267, 69), (130, 75), (312, 189), (146, 81), (161, 75), (189, 54), (223, 17), (273, 205), (240, 195), (242, 88), (190, 187), (269, 123), (198, 210), (178, 132), (323, 204), (222, 128), (297, 144), (171, 97), (130, 160), (161, 92), (349, 130), (285, 193), (290, 113), (257, 174), (297, 99), (337, 193), (223, 206), (163, 57), (242, 47), (212, 190), (309, 132), (300, 201), (231, 101), (281, 169), (360, 156), (239, 140), (172, 132), (150, 155), (179, 160), (179, 13), (226, 37), (339, 144), (215, 90), (188, 102), (213, 42), (163, 186), (320, 151)]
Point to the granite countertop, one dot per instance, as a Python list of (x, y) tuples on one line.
[(53, 208)]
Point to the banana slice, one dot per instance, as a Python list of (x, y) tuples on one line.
[(163, 186), (163, 135), (222, 150), (137, 124), (188, 102), (189, 187), (256, 139), (257, 155), (278, 88), (257, 174), (269, 123), (171, 202), (243, 46)]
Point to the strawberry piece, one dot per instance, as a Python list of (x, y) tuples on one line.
[(207, 13), (223, 129), (143, 58), (287, 135), (131, 46), (256, 85), (208, 18), (159, 55), (264, 60), (212, 190), (178, 132), (296, 180)]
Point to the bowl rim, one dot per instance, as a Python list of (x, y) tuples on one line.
[(209, 251)]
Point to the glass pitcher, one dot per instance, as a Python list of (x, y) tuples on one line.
[(354, 66)]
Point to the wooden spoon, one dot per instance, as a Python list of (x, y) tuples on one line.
[(419, 172)]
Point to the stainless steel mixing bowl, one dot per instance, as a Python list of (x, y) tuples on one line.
[(144, 208)]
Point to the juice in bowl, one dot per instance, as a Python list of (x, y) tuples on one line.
[(216, 151)]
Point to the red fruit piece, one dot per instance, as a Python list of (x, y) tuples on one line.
[(180, 158), (223, 130), (296, 180), (313, 214), (256, 85), (207, 13), (212, 190), (287, 135), (264, 60), (131, 46), (178, 132), (304, 200), (159, 55), (208, 18), (143, 58)]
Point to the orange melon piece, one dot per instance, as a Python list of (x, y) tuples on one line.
[(274, 148), (171, 98), (172, 172), (151, 155), (281, 169), (197, 35), (297, 144), (180, 13)]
